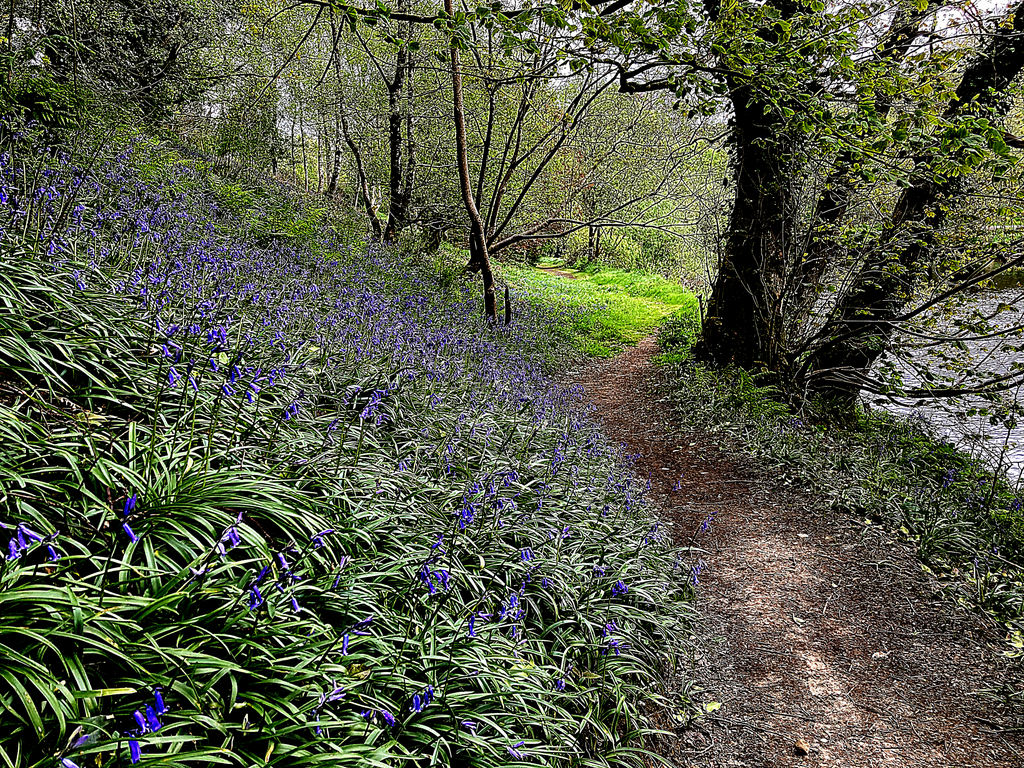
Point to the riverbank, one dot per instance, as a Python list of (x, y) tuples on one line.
[(964, 522)]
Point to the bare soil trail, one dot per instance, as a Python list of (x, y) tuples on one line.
[(815, 626)]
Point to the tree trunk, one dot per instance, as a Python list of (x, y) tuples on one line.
[(332, 184), (363, 185), (479, 259), (410, 142), (400, 183), (395, 147), (745, 321), (291, 144), (302, 146), (745, 316)]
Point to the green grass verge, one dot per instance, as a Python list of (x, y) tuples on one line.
[(604, 310)]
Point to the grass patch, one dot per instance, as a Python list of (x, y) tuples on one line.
[(603, 311)]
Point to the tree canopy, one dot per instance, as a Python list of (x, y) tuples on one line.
[(843, 169)]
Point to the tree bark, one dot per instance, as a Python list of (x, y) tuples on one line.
[(364, 187), (479, 259), (395, 146), (332, 184), (400, 98), (745, 321), (410, 142)]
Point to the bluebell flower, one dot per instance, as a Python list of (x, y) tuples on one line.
[(151, 719), (388, 717), (318, 538), (159, 698), (134, 750), (255, 597), (619, 588), (129, 505), (130, 532), (85, 738), (140, 721)]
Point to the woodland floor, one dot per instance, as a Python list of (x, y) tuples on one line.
[(814, 625)]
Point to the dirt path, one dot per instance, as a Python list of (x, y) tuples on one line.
[(815, 626), (557, 272)]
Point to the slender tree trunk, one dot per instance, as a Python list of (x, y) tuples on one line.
[(395, 146), (399, 183), (321, 149), (291, 144), (332, 184), (302, 146), (363, 185), (410, 142), (479, 259)]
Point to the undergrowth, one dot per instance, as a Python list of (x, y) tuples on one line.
[(289, 501)]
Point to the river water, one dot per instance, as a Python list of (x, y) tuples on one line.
[(998, 445)]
